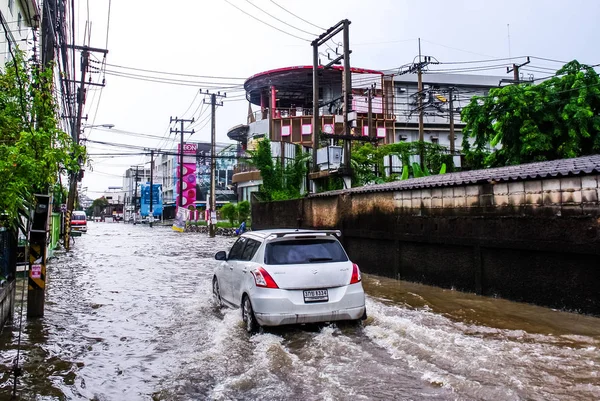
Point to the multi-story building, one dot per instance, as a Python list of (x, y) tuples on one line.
[(441, 94), (18, 16), (284, 98)]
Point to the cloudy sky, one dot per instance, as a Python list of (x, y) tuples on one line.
[(213, 38)]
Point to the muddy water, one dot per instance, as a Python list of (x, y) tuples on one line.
[(129, 317)]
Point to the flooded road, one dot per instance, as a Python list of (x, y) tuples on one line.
[(129, 316)]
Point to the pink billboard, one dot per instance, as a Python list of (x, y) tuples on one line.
[(189, 174)]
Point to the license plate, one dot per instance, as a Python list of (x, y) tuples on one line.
[(316, 296)]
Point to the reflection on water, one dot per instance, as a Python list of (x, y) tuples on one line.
[(129, 317)]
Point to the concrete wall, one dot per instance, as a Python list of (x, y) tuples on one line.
[(534, 241)]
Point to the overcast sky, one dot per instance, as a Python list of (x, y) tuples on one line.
[(213, 38)]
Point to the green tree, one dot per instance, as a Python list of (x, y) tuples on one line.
[(229, 212), (555, 119), (33, 151), (97, 206)]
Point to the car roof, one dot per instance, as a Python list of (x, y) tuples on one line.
[(78, 212), (281, 232)]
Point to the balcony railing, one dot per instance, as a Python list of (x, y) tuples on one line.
[(282, 112), (243, 168)]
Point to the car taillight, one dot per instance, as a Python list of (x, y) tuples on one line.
[(355, 274), (263, 279)]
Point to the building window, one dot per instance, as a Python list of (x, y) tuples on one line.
[(11, 5), (19, 19)]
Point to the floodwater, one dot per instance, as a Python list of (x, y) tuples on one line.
[(129, 316)]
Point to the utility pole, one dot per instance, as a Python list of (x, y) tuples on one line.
[(347, 103), (75, 129), (316, 127), (181, 131), (213, 154), (151, 219), (420, 96), (370, 109), (418, 68), (342, 26), (451, 110), (135, 198), (515, 70)]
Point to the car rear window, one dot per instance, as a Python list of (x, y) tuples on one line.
[(78, 217), (304, 251)]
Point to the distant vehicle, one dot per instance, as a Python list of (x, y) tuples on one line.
[(79, 221), (281, 277)]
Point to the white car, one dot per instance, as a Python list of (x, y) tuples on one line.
[(286, 276)]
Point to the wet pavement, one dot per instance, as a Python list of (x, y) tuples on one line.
[(129, 316)]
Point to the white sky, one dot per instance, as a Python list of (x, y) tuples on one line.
[(211, 37)]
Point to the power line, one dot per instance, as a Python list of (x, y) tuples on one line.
[(549, 59), (266, 23), (300, 18), (174, 73), (172, 81), (280, 20), (455, 48), (481, 61)]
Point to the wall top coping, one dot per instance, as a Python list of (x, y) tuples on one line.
[(551, 169)]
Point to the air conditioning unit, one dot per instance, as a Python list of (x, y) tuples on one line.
[(329, 158)]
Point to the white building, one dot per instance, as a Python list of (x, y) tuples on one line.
[(437, 89), (18, 16)]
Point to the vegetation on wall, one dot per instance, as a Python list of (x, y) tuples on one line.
[(555, 119), (279, 182), (33, 151), (368, 161)]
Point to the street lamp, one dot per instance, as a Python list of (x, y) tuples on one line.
[(84, 126), (109, 126)]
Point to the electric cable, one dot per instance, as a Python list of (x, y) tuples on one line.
[(174, 73), (300, 18), (280, 20), (266, 23)]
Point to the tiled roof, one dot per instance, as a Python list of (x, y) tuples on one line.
[(555, 168)]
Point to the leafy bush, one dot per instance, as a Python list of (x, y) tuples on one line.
[(243, 209), (229, 212)]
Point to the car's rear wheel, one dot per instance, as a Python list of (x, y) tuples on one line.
[(216, 292), (250, 322)]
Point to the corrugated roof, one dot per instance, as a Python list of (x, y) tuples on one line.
[(555, 168)]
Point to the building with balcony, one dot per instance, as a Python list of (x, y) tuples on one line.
[(281, 109)]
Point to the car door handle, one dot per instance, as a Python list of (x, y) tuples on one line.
[(230, 267), (245, 270)]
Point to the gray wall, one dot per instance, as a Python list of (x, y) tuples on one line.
[(534, 241)]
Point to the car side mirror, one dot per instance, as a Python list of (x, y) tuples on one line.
[(221, 255)]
